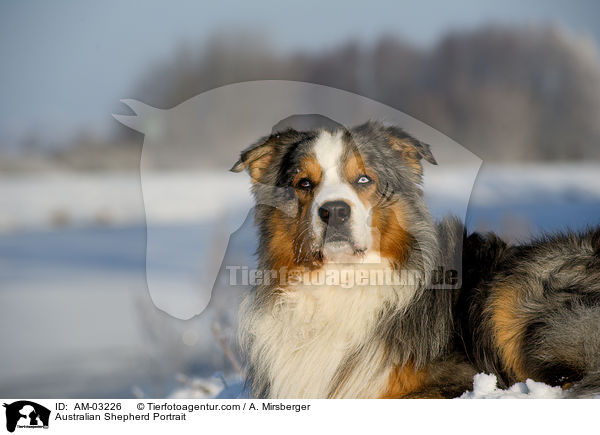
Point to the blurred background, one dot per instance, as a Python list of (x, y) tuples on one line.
[(516, 83)]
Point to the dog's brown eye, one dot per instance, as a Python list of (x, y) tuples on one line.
[(304, 184), (363, 179)]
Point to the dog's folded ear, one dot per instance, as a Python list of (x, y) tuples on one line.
[(257, 157), (412, 149)]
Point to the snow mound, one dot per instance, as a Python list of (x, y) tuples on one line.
[(485, 387)]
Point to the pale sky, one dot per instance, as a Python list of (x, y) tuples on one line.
[(64, 65)]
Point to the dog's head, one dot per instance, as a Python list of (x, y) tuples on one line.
[(337, 195)]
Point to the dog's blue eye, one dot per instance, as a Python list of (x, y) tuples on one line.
[(363, 179), (305, 184)]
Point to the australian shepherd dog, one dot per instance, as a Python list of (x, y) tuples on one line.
[(352, 307)]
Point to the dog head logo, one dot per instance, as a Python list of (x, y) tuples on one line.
[(26, 414), (216, 125)]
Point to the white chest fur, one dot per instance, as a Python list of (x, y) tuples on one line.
[(301, 343)]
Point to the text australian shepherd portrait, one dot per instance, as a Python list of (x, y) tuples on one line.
[(335, 202)]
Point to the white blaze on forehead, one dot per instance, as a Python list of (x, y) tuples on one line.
[(328, 151)]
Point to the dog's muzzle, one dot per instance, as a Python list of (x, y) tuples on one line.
[(336, 217)]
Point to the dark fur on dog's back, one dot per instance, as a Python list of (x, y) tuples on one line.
[(533, 311)]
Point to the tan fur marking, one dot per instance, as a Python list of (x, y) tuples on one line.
[(390, 237), (257, 160), (354, 168), (509, 328), (409, 153), (281, 246), (311, 169), (404, 381), (287, 245), (257, 168)]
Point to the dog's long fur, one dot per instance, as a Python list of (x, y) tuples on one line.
[(410, 340), (533, 311)]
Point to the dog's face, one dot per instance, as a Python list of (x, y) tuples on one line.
[(336, 195)]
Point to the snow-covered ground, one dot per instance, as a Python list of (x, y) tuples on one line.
[(485, 387), (30, 202), (76, 319)]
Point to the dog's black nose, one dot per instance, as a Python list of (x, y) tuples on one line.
[(334, 213)]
